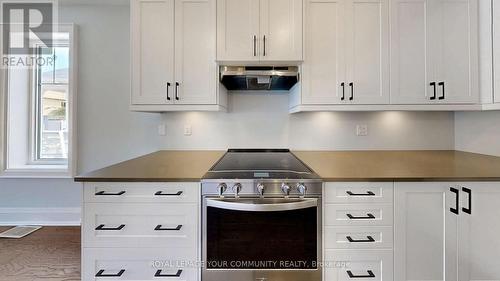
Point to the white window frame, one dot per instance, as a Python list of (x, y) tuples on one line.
[(43, 170)]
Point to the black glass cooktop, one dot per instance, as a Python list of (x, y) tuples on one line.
[(260, 164)]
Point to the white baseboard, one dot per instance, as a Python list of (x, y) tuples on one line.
[(40, 216)]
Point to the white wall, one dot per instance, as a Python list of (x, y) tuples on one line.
[(263, 121), (478, 132), (107, 131)]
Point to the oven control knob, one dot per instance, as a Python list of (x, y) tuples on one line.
[(286, 189), (221, 188), (261, 189), (237, 189), (302, 189)]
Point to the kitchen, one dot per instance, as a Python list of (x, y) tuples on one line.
[(406, 148)]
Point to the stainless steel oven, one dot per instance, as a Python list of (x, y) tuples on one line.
[(265, 229), (252, 238)]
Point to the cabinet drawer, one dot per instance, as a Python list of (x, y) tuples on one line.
[(113, 192), (139, 264), (344, 265), (359, 192), (358, 237), (140, 225), (358, 214)]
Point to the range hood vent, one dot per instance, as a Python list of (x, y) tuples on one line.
[(259, 78)]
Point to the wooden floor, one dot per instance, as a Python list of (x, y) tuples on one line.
[(49, 254)]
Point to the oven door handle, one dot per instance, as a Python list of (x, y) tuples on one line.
[(256, 207)]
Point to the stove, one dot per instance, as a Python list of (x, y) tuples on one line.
[(261, 218)]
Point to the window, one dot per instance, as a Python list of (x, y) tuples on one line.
[(40, 103), (50, 97)]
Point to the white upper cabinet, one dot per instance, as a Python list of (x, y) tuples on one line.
[(173, 55), (281, 30), (496, 50), (152, 51), (259, 30), (425, 232), (346, 52), (195, 67), (479, 246), (324, 69), (434, 52), (367, 50)]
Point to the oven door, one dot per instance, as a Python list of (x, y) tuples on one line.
[(259, 236)]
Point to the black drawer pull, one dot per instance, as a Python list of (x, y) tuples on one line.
[(103, 193), (433, 85), (370, 274), (343, 90), (457, 200), (369, 193), (160, 193), (101, 274), (368, 217), (160, 228), (103, 227), (468, 210), (369, 239), (178, 274), (441, 84)]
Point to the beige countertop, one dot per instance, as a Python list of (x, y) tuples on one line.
[(171, 166)]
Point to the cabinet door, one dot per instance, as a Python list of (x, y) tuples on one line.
[(496, 50), (368, 56), (323, 70), (479, 248), (425, 232), (281, 30), (412, 51), (195, 66), (238, 30), (457, 63), (152, 24)]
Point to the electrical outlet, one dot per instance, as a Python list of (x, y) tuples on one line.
[(188, 130), (162, 130), (362, 130)]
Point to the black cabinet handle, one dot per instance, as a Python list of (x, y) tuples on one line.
[(103, 193), (457, 199), (370, 274), (369, 239), (441, 84), (368, 217), (433, 84), (468, 210), (255, 45), (178, 274), (177, 90), (103, 227), (343, 90), (101, 274), (168, 89), (160, 228), (352, 91), (264, 46), (160, 193), (369, 193)]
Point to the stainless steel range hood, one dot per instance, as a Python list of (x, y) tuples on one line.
[(259, 78)]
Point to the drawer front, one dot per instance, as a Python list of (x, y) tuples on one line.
[(345, 265), (139, 264), (359, 237), (358, 214), (113, 192), (140, 225), (359, 192)]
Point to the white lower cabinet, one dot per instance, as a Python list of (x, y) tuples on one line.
[(139, 264), (437, 239), (343, 265), (358, 231), (141, 231)]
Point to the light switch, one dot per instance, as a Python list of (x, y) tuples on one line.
[(362, 130), (162, 130), (188, 130)]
